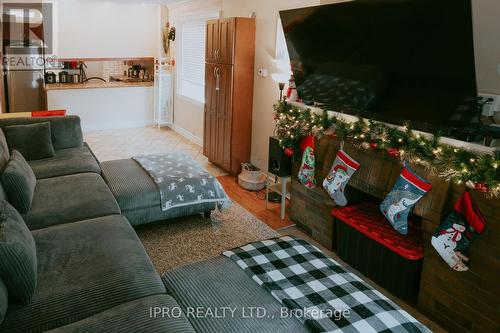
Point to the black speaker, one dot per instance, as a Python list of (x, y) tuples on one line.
[(279, 164)]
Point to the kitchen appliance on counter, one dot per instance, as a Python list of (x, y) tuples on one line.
[(50, 77), (64, 77), (76, 78)]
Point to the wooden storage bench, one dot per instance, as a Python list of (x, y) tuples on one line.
[(366, 241)]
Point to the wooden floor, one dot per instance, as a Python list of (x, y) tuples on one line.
[(255, 203)]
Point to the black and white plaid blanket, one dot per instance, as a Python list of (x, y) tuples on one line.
[(319, 291)]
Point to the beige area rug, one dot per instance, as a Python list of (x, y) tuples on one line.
[(190, 239)]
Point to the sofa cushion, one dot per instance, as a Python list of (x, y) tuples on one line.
[(4, 151), (84, 268), (4, 300), (66, 131), (34, 141), (66, 162), (18, 257), (69, 199), (188, 285), (138, 195), (19, 182), (4, 159), (135, 317)]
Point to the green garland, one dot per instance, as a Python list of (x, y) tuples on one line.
[(481, 172)]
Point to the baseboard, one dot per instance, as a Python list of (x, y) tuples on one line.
[(188, 135), (114, 125)]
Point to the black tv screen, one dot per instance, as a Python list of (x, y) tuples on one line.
[(396, 61)]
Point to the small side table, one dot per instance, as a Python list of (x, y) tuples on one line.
[(282, 186)]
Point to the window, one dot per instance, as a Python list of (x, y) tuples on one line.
[(192, 59)]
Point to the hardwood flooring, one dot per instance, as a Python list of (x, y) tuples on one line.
[(255, 203)]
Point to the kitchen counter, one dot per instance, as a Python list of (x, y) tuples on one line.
[(127, 105), (96, 84)]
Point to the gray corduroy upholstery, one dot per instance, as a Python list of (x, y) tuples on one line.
[(4, 300), (66, 162), (219, 282), (19, 182), (133, 317), (66, 131), (4, 159), (69, 199), (33, 140), (138, 195), (18, 257), (84, 268), (4, 151)]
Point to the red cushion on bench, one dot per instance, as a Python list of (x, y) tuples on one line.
[(367, 219)]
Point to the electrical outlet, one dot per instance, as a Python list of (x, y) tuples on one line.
[(492, 107), (262, 72)]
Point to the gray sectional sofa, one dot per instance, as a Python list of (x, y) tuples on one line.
[(93, 274), (91, 266)]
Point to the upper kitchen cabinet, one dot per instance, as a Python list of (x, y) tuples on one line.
[(108, 29), (212, 42), (220, 41)]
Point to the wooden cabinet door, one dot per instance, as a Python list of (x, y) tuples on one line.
[(225, 54), (212, 41), (210, 121), (224, 89)]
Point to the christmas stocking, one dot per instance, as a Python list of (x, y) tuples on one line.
[(307, 167), (453, 237), (400, 201), (342, 170)]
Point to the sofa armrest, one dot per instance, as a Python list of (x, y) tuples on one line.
[(66, 131)]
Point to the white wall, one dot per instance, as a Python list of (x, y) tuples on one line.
[(266, 91), (104, 29), (487, 44), (106, 108), (189, 114)]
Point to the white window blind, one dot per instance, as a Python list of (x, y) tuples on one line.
[(192, 71)]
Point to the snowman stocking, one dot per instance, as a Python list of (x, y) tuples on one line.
[(400, 201), (453, 237), (307, 167), (342, 170)]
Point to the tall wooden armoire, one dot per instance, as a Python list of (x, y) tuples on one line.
[(229, 76)]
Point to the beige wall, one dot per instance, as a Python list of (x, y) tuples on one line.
[(487, 44), (107, 29), (190, 116), (266, 91)]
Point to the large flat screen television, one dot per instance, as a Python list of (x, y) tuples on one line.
[(395, 61)]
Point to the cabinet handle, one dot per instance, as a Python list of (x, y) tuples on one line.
[(214, 53), (217, 79), (218, 54)]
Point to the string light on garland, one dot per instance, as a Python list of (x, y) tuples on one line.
[(454, 164)]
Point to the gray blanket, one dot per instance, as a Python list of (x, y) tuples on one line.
[(182, 181)]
